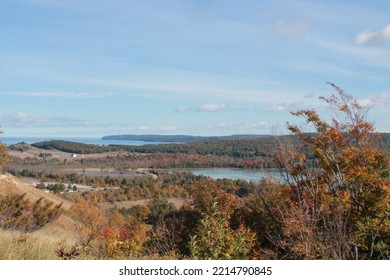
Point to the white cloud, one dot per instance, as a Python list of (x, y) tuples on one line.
[(291, 29), (276, 109), (378, 101), (374, 38), (285, 107), (212, 108), (382, 100), (366, 103)]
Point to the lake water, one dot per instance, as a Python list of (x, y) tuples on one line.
[(233, 173), (87, 140), (214, 173)]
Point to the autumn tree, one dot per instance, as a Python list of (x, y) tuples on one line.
[(216, 240), (91, 220), (180, 226), (123, 242), (215, 237), (344, 196), (282, 231), (159, 208), (4, 158)]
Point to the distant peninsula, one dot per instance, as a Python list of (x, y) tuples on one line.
[(180, 138)]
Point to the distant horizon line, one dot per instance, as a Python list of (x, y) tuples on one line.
[(97, 136)]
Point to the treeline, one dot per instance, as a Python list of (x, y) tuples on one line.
[(180, 138), (71, 147), (246, 148), (234, 148), (243, 148)]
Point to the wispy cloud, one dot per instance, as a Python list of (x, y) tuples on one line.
[(143, 128), (366, 102), (71, 5), (277, 109), (285, 107), (380, 101), (374, 38), (197, 86), (181, 109), (212, 108), (244, 127), (168, 128), (290, 29), (64, 94), (24, 120), (381, 59)]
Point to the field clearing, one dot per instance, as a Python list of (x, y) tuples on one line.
[(35, 152)]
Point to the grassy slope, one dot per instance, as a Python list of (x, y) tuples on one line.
[(11, 185), (40, 244)]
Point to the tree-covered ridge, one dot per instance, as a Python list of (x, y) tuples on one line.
[(70, 147), (261, 147), (180, 138), (234, 148), (244, 148)]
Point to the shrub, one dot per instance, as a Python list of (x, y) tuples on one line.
[(18, 213)]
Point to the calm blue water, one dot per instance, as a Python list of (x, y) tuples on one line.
[(234, 174), (96, 141)]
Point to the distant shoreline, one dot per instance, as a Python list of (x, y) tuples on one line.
[(181, 138), (85, 140)]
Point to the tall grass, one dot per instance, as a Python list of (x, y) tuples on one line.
[(37, 245)]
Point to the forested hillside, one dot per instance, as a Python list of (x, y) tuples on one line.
[(180, 138), (244, 148)]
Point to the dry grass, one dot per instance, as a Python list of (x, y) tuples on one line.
[(43, 243), (38, 245)]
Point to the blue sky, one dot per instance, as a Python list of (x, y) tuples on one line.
[(215, 67)]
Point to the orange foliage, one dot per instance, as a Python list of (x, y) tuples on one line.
[(345, 198)]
